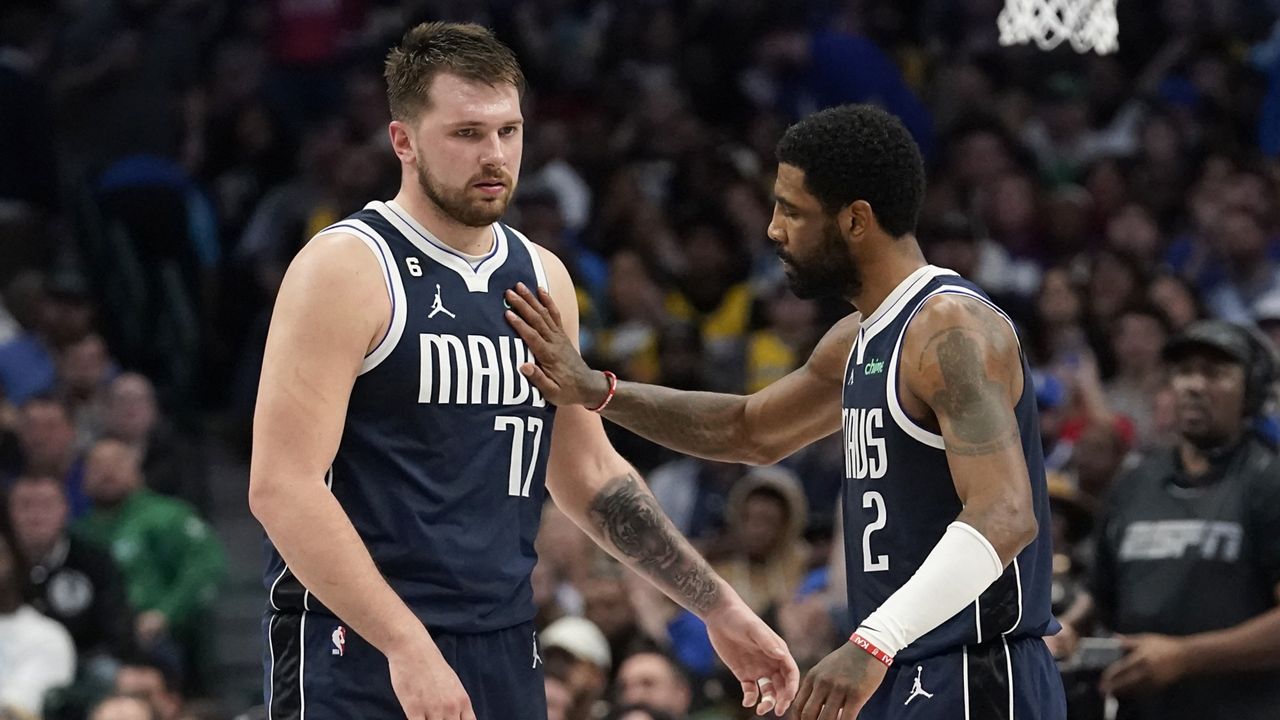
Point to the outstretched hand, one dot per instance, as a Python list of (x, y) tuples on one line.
[(560, 373), (757, 657)]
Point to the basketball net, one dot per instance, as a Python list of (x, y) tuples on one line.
[(1086, 24)]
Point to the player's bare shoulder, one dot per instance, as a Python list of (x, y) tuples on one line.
[(336, 275), (960, 343), (832, 352)]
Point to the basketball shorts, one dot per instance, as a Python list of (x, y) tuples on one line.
[(316, 668), (1000, 679)]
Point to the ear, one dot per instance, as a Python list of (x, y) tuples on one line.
[(856, 219), (402, 140)]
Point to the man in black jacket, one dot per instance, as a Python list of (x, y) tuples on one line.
[(1188, 554), (74, 582)]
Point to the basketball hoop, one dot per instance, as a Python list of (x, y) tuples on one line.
[(1087, 24)]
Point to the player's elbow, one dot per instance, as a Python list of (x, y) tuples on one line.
[(1020, 529), (754, 441), (1028, 530), (264, 499), (1009, 526), (764, 454)]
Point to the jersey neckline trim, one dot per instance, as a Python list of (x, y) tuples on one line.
[(476, 276), (897, 299)]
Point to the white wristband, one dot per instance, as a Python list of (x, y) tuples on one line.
[(960, 567)]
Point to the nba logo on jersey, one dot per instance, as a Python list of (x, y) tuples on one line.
[(339, 641)]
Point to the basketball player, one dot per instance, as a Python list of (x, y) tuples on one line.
[(399, 456), (945, 504)]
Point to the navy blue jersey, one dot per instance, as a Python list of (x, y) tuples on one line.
[(443, 456), (899, 495)]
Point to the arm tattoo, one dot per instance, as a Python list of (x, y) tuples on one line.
[(693, 423), (631, 519), (971, 399)]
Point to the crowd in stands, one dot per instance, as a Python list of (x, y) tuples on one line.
[(161, 161)]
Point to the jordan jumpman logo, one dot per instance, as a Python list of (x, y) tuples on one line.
[(438, 306), (917, 689)]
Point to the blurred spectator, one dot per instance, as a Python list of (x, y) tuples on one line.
[(636, 313), (1133, 232), (607, 603), (949, 241), (575, 649), (47, 438), (765, 558), (789, 335), (1097, 456), (671, 627), (820, 468), (838, 63), (36, 653), (172, 564), (73, 581), (123, 707), (559, 698), (694, 493), (306, 42), (1116, 282), (656, 681), (566, 556), (1176, 299), (1250, 273), (1011, 210), (171, 464), (1188, 563), (140, 676), (638, 712), (84, 371), (60, 314), (1072, 513), (1137, 335), (814, 619), (712, 296), (1059, 319)]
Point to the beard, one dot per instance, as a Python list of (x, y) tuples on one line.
[(829, 271), (460, 205)]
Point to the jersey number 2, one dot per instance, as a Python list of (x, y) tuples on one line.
[(879, 562), (521, 472)]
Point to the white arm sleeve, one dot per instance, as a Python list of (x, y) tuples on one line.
[(960, 567)]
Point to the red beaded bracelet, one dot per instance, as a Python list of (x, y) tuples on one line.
[(613, 387), (872, 650)]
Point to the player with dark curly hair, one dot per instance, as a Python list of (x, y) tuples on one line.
[(945, 502)]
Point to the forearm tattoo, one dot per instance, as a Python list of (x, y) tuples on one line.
[(694, 423), (631, 519)]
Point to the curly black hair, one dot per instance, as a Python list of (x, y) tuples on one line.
[(859, 152)]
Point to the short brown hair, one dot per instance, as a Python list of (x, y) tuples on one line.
[(464, 49)]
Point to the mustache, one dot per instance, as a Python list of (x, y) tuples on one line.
[(501, 176)]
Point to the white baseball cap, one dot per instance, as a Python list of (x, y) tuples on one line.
[(579, 637)]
